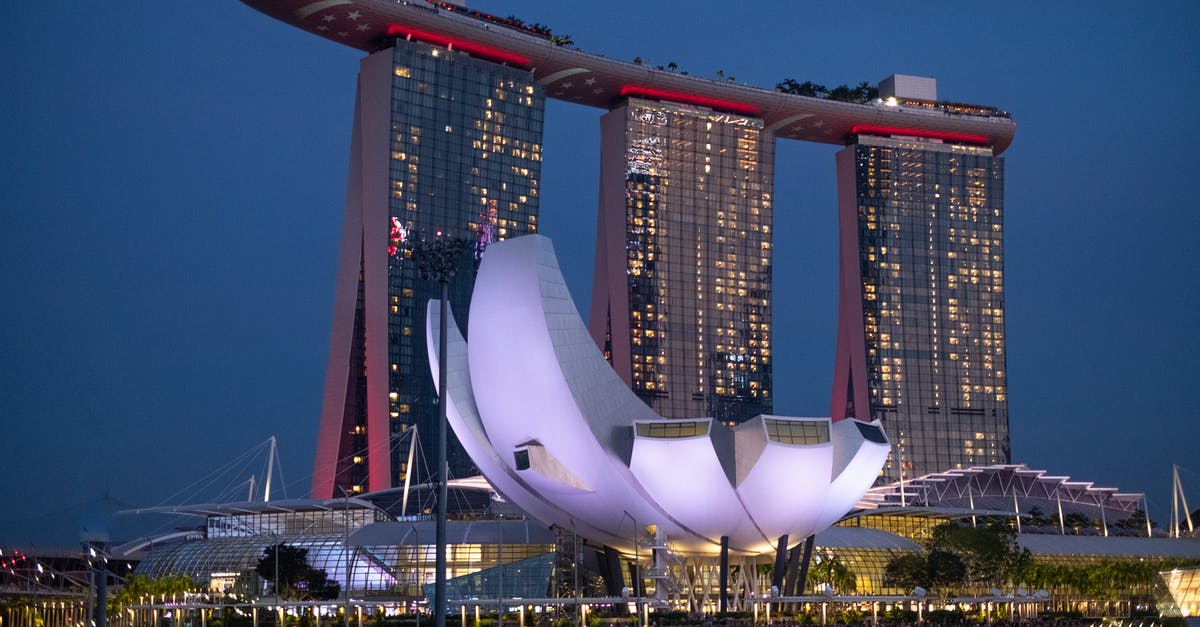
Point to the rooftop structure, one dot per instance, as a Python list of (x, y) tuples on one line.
[(1012, 490), (594, 80)]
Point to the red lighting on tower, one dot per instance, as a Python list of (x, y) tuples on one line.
[(455, 43)]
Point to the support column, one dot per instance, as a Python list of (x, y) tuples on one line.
[(610, 568), (723, 575), (793, 571), (780, 569), (803, 578)]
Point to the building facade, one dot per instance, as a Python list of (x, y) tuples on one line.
[(444, 142), (921, 339), (681, 301)]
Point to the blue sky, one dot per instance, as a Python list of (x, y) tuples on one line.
[(170, 205)]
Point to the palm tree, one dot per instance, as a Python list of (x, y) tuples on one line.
[(833, 573)]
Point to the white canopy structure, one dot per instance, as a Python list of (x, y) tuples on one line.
[(553, 428)]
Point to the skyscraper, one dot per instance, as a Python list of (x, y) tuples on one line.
[(921, 306), (443, 141), (681, 301)]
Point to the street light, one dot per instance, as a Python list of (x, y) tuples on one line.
[(346, 550), (438, 259), (633, 575), (575, 569), (275, 550), (419, 555)]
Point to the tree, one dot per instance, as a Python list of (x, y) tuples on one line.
[(833, 573), (934, 570), (1038, 518), (990, 554), (864, 92), (907, 572), (955, 556), (297, 580), (807, 88), (1077, 521), (138, 586), (946, 571)]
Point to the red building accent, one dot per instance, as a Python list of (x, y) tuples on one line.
[(362, 262), (689, 98), (456, 43), (886, 131)]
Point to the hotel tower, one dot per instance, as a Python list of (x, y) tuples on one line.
[(681, 303), (443, 142), (920, 340)]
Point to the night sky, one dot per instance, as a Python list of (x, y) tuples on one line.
[(171, 185)]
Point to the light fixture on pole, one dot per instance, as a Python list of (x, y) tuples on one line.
[(635, 572), (418, 555), (346, 551), (438, 259)]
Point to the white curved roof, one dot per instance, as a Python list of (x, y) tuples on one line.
[(994, 487), (555, 430)]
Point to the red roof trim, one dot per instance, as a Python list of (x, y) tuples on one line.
[(692, 99), (889, 130), (470, 47)]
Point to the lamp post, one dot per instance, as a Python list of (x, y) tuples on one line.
[(437, 259), (634, 574), (275, 550), (346, 550), (419, 555), (575, 570)]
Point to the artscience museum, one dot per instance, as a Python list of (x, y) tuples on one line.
[(555, 431)]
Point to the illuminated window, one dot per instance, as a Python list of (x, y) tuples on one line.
[(797, 431), (672, 429)]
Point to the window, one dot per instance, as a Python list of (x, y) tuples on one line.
[(670, 429), (797, 431)]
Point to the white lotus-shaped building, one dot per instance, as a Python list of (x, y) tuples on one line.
[(554, 430)]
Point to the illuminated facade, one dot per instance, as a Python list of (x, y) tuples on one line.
[(1183, 593), (560, 435), (442, 142), (681, 302), (381, 555), (921, 307)]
